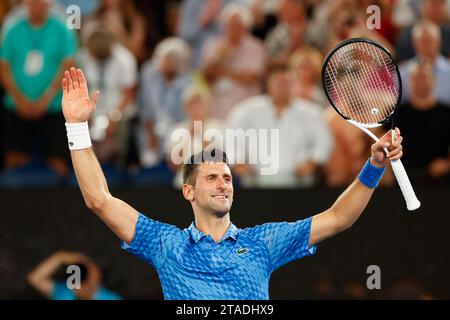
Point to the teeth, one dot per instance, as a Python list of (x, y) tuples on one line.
[(220, 197)]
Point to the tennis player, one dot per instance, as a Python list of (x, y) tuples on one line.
[(212, 258)]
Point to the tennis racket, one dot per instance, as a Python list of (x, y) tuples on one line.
[(363, 84)]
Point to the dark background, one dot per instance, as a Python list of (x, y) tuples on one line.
[(412, 246)]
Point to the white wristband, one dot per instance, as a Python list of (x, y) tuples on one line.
[(78, 135)]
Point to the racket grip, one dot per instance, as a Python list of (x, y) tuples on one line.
[(412, 203)]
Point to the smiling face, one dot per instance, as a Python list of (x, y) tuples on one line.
[(210, 190)]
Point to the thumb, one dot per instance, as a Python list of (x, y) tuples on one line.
[(94, 99)]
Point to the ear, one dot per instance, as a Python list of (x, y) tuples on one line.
[(188, 192)]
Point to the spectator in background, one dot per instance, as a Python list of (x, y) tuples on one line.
[(234, 64), (90, 286), (194, 132), (125, 21), (162, 83), (111, 68), (290, 33), (423, 119), (264, 17), (34, 51), (18, 9), (435, 11), (350, 151), (348, 20), (306, 64), (427, 42), (305, 140), (199, 22)]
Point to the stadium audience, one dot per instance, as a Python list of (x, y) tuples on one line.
[(35, 49), (162, 82), (199, 131), (234, 64), (306, 63), (199, 21), (223, 46), (305, 141), (427, 42), (290, 33), (125, 21), (426, 123), (433, 10), (102, 59), (87, 287)]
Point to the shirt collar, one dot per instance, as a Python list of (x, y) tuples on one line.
[(196, 234)]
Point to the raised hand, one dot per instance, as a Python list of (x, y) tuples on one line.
[(379, 157), (76, 104)]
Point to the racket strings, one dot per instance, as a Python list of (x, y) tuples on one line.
[(362, 82)]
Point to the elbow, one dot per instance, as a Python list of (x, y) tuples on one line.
[(32, 279), (342, 224), (99, 203)]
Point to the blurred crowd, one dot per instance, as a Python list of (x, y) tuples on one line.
[(167, 68)]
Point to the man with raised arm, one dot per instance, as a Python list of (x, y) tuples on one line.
[(211, 259)]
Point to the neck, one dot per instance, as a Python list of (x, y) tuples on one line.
[(304, 89), (422, 103), (280, 105), (38, 20), (212, 225)]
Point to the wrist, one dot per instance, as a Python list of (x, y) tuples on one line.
[(376, 163), (78, 135), (371, 174)]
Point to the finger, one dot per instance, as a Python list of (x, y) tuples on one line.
[(73, 73), (69, 81), (387, 137), (64, 85), (394, 152), (397, 142), (396, 156), (94, 98), (81, 78)]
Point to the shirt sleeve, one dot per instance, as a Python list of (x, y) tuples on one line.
[(287, 241), (149, 239), (61, 292)]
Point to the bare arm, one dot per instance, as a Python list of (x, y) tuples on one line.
[(78, 107), (352, 202), (23, 104), (41, 276)]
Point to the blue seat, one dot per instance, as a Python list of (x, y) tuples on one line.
[(159, 175), (114, 176), (34, 174)]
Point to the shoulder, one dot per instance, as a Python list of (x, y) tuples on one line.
[(149, 225), (148, 68), (308, 107), (124, 56), (252, 104), (16, 24), (56, 23)]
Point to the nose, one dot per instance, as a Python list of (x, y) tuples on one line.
[(221, 184)]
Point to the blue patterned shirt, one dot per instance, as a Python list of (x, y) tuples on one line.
[(192, 266)]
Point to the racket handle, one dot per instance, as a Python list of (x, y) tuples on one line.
[(412, 203)]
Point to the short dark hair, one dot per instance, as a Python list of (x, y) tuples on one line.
[(277, 67), (190, 167)]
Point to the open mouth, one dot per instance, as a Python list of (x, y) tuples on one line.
[(220, 197)]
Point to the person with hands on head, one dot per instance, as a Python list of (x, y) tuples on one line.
[(42, 278), (212, 258)]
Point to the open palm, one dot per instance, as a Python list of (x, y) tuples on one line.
[(76, 104)]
